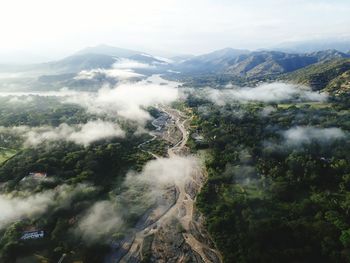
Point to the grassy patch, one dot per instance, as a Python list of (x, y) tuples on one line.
[(313, 105), (6, 154)]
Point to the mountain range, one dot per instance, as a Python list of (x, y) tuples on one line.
[(242, 63), (238, 62), (228, 62)]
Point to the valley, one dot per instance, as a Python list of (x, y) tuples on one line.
[(175, 131), (122, 156), (188, 239)]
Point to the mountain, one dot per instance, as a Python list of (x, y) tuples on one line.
[(181, 58), (211, 62), (242, 63), (329, 54), (148, 59), (221, 54), (224, 64), (77, 63), (332, 76), (268, 63), (265, 63), (109, 51), (340, 84), (71, 64), (62, 73)]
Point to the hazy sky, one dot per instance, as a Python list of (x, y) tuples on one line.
[(179, 26)]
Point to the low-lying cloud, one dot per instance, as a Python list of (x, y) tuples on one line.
[(83, 134), (267, 110), (18, 205), (116, 74), (127, 100), (272, 92), (163, 171), (301, 135), (141, 191), (125, 63), (101, 219)]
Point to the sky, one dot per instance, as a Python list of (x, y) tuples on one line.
[(59, 27)]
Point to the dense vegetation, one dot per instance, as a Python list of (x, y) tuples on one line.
[(102, 166), (86, 174), (36, 111), (266, 200), (329, 75)]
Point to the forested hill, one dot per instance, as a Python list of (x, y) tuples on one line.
[(333, 76), (242, 63), (278, 179)]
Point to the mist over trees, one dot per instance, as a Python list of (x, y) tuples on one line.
[(277, 188), (81, 163)]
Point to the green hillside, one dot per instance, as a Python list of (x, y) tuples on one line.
[(340, 84), (330, 75)]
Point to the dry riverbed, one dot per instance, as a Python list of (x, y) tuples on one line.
[(172, 231)]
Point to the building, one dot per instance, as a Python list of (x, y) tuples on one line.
[(38, 175), (35, 176), (32, 235)]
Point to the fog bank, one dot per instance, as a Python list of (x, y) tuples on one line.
[(17, 205), (271, 92), (83, 134), (300, 135), (140, 191)]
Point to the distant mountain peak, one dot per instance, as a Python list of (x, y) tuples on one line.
[(103, 49)]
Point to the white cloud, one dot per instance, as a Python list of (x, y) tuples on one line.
[(142, 190), (13, 208), (17, 100), (83, 134), (127, 100), (124, 63), (163, 171), (272, 92), (17, 205), (117, 74), (101, 219), (267, 110), (146, 187), (64, 92), (299, 135)]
